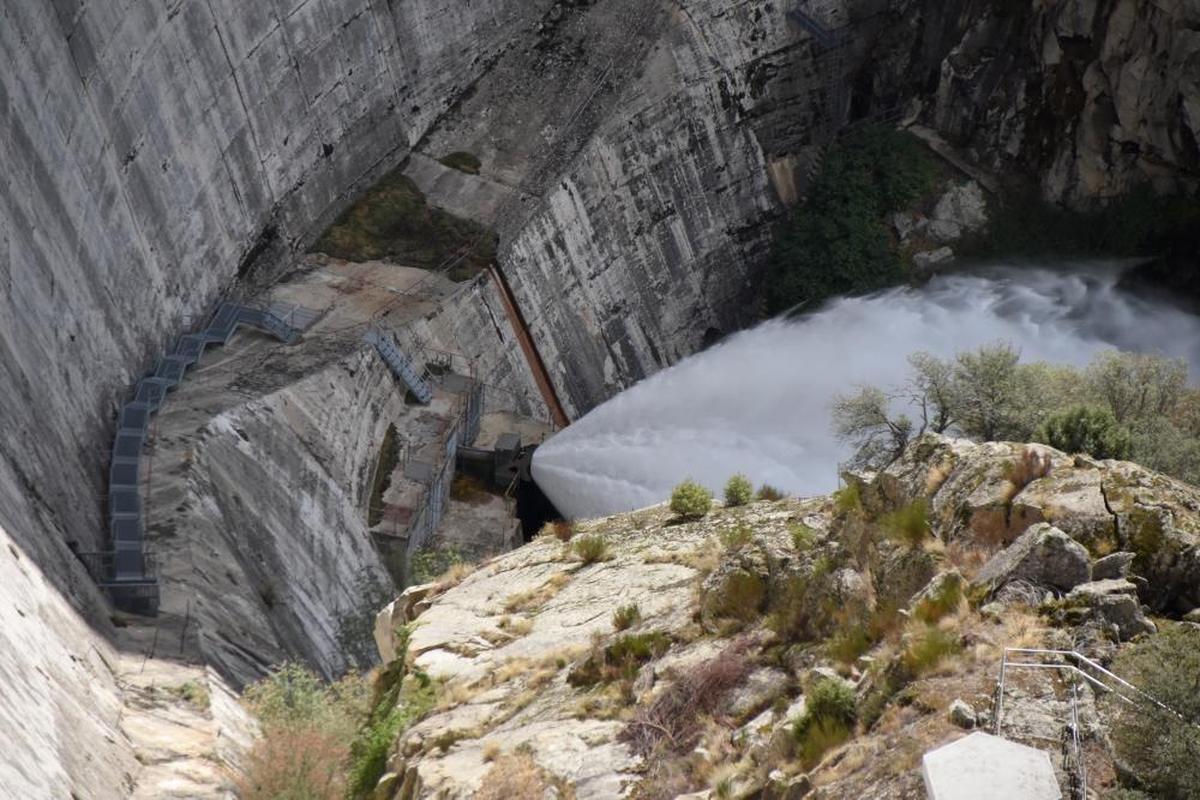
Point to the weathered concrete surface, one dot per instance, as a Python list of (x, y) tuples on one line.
[(986, 767)]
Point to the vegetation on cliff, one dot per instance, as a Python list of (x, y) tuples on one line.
[(1122, 405), (392, 222), (837, 242)]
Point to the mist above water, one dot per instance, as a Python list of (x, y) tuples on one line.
[(759, 403)]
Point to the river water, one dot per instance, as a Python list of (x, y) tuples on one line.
[(759, 402)]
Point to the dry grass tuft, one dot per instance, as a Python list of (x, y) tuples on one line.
[(562, 530), (513, 777), (1027, 468), (536, 598)]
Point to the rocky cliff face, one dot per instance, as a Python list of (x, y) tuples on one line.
[(742, 614), (1088, 98)]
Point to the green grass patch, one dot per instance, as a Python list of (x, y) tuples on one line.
[(430, 563), (829, 718), (928, 649), (621, 660), (462, 161), (909, 525), (393, 222)]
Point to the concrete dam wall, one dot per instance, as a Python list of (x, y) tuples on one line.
[(634, 154)]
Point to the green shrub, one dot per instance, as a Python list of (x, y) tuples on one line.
[(621, 660), (307, 730), (910, 524), (738, 491), (1083, 429), (739, 597), (803, 537), (626, 617), (848, 499), (462, 161), (590, 549), (1162, 749), (837, 241), (430, 563), (770, 494), (942, 602), (369, 751), (829, 718), (928, 649), (850, 642), (690, 500)]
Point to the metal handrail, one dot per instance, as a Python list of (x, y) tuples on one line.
[(1127, 692)]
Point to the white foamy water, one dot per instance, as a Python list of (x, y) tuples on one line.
[(759, 403)]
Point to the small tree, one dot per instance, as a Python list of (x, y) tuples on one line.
[(864, 420), (690, 500), (1163, 749), (738, 491), (1082, 429), (1137, 386), (932, 389), (989, 393)]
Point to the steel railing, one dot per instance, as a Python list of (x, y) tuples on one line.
[(1081, 670)]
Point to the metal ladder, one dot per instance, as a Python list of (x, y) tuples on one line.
[(401, 366)]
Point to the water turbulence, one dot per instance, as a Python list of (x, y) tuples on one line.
[(759, 403)]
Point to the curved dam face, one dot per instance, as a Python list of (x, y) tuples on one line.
[(760, 402), (157, 156)]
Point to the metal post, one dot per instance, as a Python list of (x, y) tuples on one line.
[(1000, 690)]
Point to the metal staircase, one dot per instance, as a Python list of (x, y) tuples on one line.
[(402, 368), (127, 571)]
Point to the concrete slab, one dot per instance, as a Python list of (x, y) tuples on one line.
[(986, 767)]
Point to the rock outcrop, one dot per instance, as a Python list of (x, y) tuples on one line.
[(533, 658)]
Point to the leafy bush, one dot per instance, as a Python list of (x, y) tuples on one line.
[(621, 660), (370, 748), (942, 602), (1123, 405), (590, 549), (307, 727), (690, 500), (910, 524), (626, 617), (837, 241), (1161, 748), (738, 491), (770, 494), (1083, 429)]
